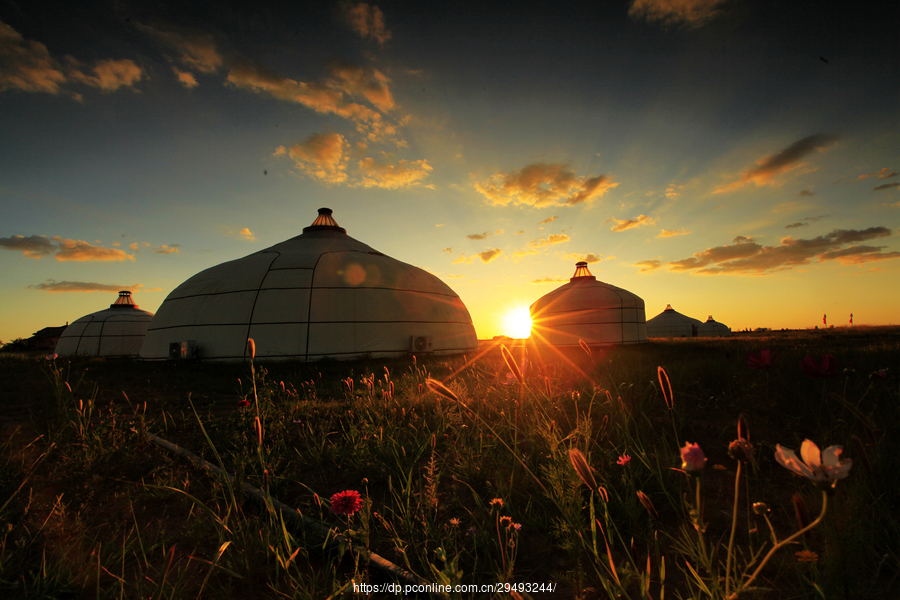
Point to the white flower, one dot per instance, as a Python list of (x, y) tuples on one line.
[(826, 466)]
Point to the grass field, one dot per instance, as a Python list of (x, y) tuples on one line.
[(568, 473)]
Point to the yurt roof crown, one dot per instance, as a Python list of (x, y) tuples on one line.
[(325, 222), (124, 301)]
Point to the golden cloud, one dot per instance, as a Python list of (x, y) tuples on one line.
[(553, 238), (786, 160), (247, 234), (648, 265), (747, 256), (166, 249), (185, 78), (673, 190), (196, 50), (690, 13), (404, 174), (110, 75), (884, 173), (489, 255), (520, 254), (548, 220), (547, 280), (478, 236), (623, 224), (321, 156), (541, 184), (367, 21), (664, 233), (82, 251), (588, 258), (357, 81)]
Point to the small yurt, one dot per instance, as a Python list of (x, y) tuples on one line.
[(115, 332), (319, 295), (589, 310), (671, 323), (712, 328)]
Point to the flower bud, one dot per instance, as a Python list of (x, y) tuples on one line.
[(760, 508)]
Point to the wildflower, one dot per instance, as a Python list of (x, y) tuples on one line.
[(454, 522), (827, 368), (740, 450), (243, 403), (497, 502), (765, 359), (345, 503), (692, 459), (51, 357), (505, 520), (624, 460), (516, 526), (807, 556), (824, 467)]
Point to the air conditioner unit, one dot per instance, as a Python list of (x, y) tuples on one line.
[(420, 343), (179, 350)]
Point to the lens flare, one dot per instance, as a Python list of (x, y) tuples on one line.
[(517, 323)]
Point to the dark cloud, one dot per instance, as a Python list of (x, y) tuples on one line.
[(885, 186), (806, 193), (38, 246), (623, 224), (34, 246), (795, 225), (648, 265), (80, 286), (489, 255), (669, 13), (478, 236), (786, 160)]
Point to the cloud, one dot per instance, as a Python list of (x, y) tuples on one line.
[(689, 13), (82, 251), (321, 156), (489, 255), (54, 286), (186, 78), (164, 249), (133, 246), (547, 280), (247, 234), (648, 265), (884, 173), (588, 258), (623, 224), (404, 174), (357, 81), (673, 190), (29, 67), (366, 21), (664, 233), (886, 186), (553, 238), (795, 225), (448, 249), (788, 159), (520, 254), (548, 220), (748, 257), (478, 236), (196, 51), (806, 193), (34, 246), (541, 184)]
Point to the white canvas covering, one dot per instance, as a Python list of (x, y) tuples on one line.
[(671, 323), (117, 331), (320, 294), (589, 310), (712, 328)]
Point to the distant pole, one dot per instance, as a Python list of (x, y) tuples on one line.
[(825, 320), (851, 318)]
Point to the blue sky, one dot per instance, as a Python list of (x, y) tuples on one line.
[(734, 158)]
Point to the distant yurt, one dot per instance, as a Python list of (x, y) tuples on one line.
[(117, 331), (671, 323), (589, 310), (712, 328), (319, 295)]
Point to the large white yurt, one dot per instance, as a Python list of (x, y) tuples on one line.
[(117, 331), (671, 323), (320, 294), (589, 310), (712, 328)]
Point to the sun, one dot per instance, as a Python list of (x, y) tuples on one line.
[(517, 323)]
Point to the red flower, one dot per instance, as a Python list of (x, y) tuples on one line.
[(243, 403), (828, 368), (764, 360), (346, 503)]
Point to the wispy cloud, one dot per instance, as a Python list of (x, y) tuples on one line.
[(687, 13), (804, 222), (448, 249), (38, 246), (788, 159), (478, 236), (746, 256), (33, 246), (541, 184), (486, 256), (547, 280), (884, 173), (664, 233), (405, 173), (321, 156), (28, 66), (648, 265), (167, 249), (673, 191), (553, 238), (623, 224), (185, 78), (806, 193), (588, 258), (548, 220), (367, 21), (54, 286), (885, 186)]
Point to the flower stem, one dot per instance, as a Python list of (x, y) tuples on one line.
[(737, 483), (779, 545)]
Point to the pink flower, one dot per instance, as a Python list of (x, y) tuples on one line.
[(820, 467), (692, 459), (51, 357), (764, 360), (624, 460), (346, 502), (828, 368)]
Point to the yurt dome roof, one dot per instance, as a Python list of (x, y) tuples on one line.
[(320, 294), (116, 331), (671, 323), (712, 328), (589, 310)]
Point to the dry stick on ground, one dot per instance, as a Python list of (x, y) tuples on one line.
[(295, 519)]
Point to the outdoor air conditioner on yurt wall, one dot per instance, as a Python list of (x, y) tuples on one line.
[(420, 343), (178, 350)]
